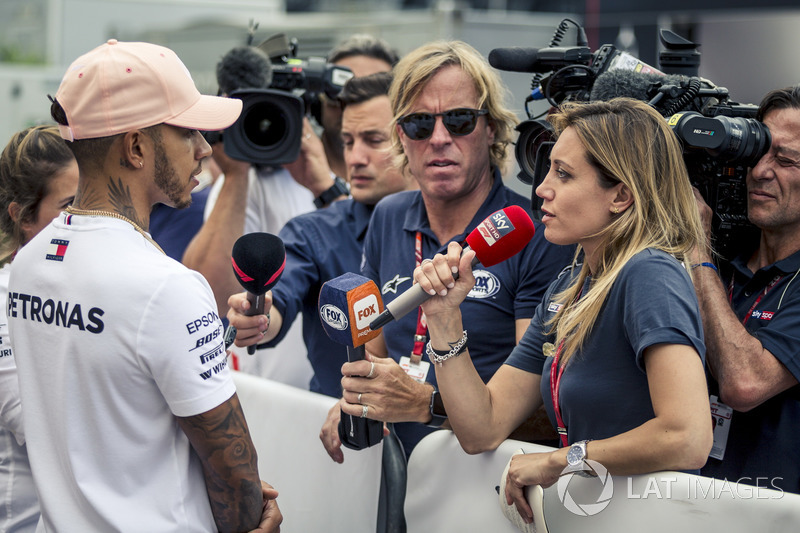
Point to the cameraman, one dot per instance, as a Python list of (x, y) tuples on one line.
[(751, 318), (247, 198), (363, 54)]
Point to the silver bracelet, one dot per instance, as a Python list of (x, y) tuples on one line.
[(440, 357)]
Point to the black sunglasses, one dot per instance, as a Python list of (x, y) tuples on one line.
[(462, 121)]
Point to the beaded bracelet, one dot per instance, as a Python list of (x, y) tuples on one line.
[(440, 356)]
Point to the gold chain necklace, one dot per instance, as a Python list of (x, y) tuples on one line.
[(96, 212)]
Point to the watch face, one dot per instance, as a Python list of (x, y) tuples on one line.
[(575, 455)]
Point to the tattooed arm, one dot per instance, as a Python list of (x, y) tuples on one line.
[(230, 465)]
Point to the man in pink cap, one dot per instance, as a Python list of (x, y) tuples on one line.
[(132, 417)]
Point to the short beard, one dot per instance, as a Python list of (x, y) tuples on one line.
[(167, 181)]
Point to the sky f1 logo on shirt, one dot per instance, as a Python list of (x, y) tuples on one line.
[(763, 315), (56, 250)]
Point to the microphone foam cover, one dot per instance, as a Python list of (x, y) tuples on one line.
[(514, 59), (347, 305), (502, 234), (258, 260)]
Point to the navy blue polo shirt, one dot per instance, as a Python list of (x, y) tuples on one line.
[(604, 390), (502, 294), (762, 443), (173, 229), (320, 246)]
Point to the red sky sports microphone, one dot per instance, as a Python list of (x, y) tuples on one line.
[(501, 235), (347, 304), (258, 260)]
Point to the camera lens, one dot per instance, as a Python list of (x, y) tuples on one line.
[(532, 133), (729, 139), (265, 124), (269, 129)]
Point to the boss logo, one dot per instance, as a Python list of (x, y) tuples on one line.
[(333, 316)]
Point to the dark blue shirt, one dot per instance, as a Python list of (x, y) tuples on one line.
[(502, 294), (320, 246), (762, 443), (173, 229), (604, 390)]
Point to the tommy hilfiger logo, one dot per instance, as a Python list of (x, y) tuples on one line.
[(57, 250)]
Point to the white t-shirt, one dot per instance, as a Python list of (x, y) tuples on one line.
[(274, 198), (19, 506), (113, 339)]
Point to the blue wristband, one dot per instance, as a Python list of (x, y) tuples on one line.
[(712, 266)]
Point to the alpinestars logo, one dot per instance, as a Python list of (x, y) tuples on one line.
[(393, 284)]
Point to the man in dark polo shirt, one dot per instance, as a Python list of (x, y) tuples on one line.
[(751, 319)]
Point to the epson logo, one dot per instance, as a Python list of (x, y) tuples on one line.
[(486, 285), (333, 316)]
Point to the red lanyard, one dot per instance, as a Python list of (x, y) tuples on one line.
[(422, 327), (555, 385), (752, 307)]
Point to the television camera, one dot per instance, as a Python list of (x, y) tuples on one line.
[(269, 129), (721, 138)]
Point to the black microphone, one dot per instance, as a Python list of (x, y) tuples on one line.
[(502, 234), (258, 260), (516, 59)]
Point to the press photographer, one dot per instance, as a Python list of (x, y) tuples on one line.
[(254, 193), (721, 138)]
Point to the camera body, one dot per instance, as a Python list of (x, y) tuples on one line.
[(721, 138), (270, 127)]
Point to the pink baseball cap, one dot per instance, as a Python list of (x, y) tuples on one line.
[(123, 86)]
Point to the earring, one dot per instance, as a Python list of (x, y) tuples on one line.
[(141, 164), (616, 210)]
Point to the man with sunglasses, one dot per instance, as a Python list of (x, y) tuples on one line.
[(452, 134)]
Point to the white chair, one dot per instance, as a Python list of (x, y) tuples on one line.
[(316, 494)]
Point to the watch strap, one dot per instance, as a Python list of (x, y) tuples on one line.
[(339, 188), (437, 410)]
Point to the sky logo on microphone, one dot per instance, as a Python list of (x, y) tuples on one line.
[(495, 227), (333, 316)]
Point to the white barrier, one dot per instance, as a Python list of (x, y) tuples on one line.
[(450, 491), (316, 494)]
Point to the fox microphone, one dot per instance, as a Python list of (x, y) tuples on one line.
[(501, 235), (258, 260), (346, 305)]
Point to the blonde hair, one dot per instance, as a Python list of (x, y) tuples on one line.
[(630, 143), (416, 69)]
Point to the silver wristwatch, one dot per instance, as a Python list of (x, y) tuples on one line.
[(576, 454)]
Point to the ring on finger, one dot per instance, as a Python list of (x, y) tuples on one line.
[(426, 261), (359, 397), (364, 410), (371, 369)]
